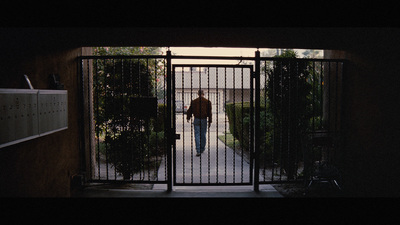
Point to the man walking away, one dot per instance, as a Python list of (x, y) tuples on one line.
[(201, 109)]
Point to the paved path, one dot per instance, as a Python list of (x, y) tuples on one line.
[(218, 164)]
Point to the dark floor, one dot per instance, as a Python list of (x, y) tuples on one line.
[(159, 191), (316, 190), (289, 190)]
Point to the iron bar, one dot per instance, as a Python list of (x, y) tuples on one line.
[(265, 121), (148, 125), (113, 101), (336, 95), (183, 125), (191, 127), (234, 124), (208, 130), (217, 110), (289, 129), (156, 130), (200, 128), (168, 124), (329, 96), (92, 172), (226, 134), (257, 122), (321, 100), (165, 114), (173, 125), (273, 106), (242, 125), (81, 107)]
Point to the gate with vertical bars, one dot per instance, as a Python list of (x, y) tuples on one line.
[(221, 163), (264, 112)]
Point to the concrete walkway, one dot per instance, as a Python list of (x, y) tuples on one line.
[(217, 164)]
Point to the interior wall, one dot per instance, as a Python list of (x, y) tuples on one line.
[(42, 167), (370, 122)]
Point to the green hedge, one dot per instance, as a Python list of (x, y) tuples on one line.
[(239, 121), (239, 125)]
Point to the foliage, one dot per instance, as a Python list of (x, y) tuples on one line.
[(289, 109), (239, 121), (125, 151), (311, 53), (159, 122), (103, 51), (130, 140), (289, 92), (155, 67), (229, 140)]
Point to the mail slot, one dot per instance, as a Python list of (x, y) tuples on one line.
[(143, 107), (26, 114)]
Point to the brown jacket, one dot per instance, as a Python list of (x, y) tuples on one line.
[(200, 108)]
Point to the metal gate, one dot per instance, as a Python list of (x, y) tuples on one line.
[(300, 99), (125, 98), (224, 162), (265, 114)]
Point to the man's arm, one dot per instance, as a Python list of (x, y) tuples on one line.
[(189, 112), (209, 114)]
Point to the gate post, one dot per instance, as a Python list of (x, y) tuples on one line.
[(257, 123), (169, 122)]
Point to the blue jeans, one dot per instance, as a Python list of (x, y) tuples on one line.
[(200, 129)]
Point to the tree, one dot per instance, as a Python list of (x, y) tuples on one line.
[(289, 95), (116, 83), (311, 53), (102, 51)]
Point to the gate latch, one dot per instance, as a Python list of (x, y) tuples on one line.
[(177, 136)]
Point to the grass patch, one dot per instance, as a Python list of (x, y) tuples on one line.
[(230, 141)]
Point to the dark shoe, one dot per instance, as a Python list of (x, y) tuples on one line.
[(198, 154)]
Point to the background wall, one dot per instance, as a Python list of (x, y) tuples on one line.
[(371, 119), (42, 167)]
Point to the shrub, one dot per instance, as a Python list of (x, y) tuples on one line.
[(288, 86), (158, 123), (130, 139), (239, 121)]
